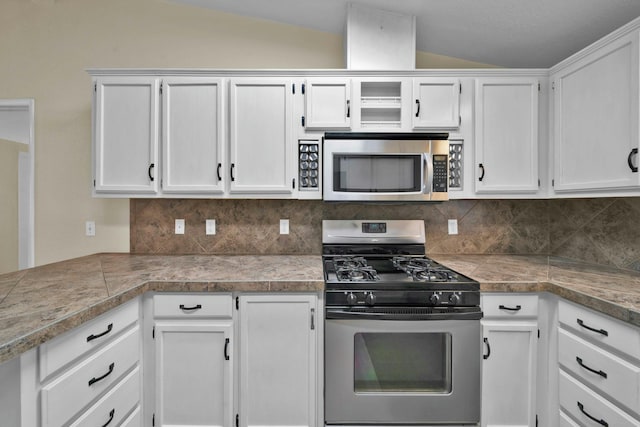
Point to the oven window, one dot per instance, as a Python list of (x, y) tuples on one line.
[(402, 362), (375, 173)]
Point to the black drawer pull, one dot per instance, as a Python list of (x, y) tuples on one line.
[(633, 152), (418, 104), (504, 307), (195, 307), (151, 166), (601, 373), (94, 336), (218, 171), (96, 379), (481, 166), (601, 421), (226, 349), (111, 415), (599, 331), (486, 356)]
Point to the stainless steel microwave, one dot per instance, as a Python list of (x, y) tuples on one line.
[(385, 167)]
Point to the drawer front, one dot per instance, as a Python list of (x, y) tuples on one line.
[(601, 329), (81, 385), (193, 305), (566, 421), (134, 420), (114, 406), (509, 305), (64, 349), (586, 406), (602, 370)]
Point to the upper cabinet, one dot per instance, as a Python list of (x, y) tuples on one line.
[(381, 104), (327, 103), (126, 117), (506, 135), (437, 103), (595, 132), (193, 145), (261, 147)]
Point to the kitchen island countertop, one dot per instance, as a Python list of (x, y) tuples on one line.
[(40, 303)]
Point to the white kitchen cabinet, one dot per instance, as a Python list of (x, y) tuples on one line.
[(506, 135), (381, 104), (262, 150), (510, 335), (595, 131), (277, 356), (437, 103), (193, 360), (193, 144), (327, 103), (126, 118)]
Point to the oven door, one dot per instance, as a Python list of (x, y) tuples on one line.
[(402, 371)]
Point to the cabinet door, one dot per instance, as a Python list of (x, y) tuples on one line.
[(277, 360), (262, 149), (509, 373), (193, 373), (506, 135), (327, 104), (192, 135), (126, 135), (596, 119), (437, 103)]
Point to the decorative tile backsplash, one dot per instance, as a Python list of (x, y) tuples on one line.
[(603, 231)]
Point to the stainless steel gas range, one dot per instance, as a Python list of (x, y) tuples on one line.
[(402, 332)]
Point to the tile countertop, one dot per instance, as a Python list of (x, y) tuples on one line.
[(40, 303)]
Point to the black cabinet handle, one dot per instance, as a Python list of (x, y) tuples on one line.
[(601, 421), (599, 331), (111, 415), (633, 152), (151, 166), (94, 336), (195, 307), (226, 349), (601, 373), (232, 168), (504, 307), (96, 379), (486, 356), (418, 111), (218, 172), (481, 166), (348, 108)]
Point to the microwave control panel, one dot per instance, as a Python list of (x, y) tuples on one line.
[(440, 173)]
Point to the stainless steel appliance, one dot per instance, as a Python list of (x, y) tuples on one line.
[(385, 166), (402, 332)]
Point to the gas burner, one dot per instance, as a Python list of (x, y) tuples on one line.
[(353, 262), (358, 273), (422, 269)]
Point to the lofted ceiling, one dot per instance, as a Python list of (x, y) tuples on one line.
[(506, 33)]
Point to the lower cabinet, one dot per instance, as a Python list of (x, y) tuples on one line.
[(224, 361), (193, 365), (277, 356), (510, 335)]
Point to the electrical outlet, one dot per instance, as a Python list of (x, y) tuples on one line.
[(90, 228), (284, 226), (210, 227), (179, 226), (453, 226)]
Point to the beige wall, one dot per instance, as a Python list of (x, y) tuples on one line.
[(9, 152), (45, 47)]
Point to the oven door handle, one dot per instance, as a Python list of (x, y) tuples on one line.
[(347, 314)]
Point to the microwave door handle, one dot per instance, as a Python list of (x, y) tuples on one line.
[(427, 173)]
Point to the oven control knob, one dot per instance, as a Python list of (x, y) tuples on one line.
[(454, 299), (370, 299), (434, 299), (352, 299)]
